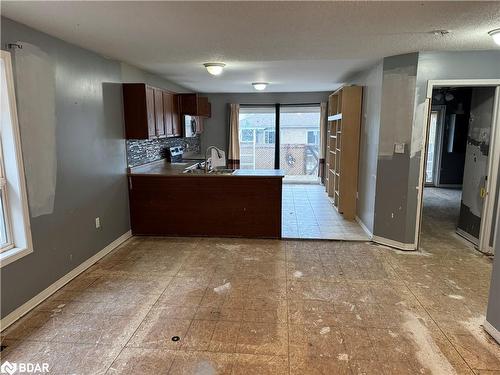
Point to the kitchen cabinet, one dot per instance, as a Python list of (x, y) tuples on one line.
[(150, 112), (195, 105), (159, 114), (168, 104), (176, 117)]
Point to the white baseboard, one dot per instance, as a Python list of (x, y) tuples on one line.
[(395, 244), (364, 227), (492, 331), (43, 295)]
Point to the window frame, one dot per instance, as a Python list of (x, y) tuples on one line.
[(16, 200), (4, 211)]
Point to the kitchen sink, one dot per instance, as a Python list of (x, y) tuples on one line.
[(194, 171), (222, 171)]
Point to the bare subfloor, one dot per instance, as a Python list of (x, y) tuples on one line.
[(266, 307)]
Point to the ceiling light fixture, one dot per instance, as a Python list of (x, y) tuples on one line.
[(495, 34), (214, 69), (259, 86)]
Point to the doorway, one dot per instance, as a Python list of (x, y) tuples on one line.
[(461, 165)]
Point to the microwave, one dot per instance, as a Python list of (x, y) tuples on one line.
[(190, 126)]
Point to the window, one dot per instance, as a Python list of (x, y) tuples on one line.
[(270, 136), (313, 137), (257, 137), (15, 235)]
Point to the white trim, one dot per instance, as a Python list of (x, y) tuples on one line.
[(492, 331), (364, 227), (459, 82), (421, 176), (13, 254), (395, 244), (43, 295)]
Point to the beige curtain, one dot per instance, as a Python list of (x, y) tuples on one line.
[(322, 139), (234, 136)]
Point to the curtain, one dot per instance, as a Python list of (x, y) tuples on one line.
[(234, 136), (322, 139)]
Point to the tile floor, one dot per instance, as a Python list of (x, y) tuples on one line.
[(307, 213), (268, 307)]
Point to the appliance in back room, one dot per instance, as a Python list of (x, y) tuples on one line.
[(189, 126)]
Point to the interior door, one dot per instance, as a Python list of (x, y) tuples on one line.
[(476, 170), (490, 225)]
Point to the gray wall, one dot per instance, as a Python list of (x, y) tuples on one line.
[(90, 163), (371, 80), (403, 95), (216, 128), (396, 119), (493, 313)]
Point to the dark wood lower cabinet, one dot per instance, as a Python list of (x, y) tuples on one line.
[(220, 206)]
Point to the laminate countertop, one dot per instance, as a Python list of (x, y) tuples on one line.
[(164, 168)]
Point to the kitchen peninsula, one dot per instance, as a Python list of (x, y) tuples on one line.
[(167, 199)]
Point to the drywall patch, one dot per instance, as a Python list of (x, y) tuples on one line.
[(35, 89), (428, 353)]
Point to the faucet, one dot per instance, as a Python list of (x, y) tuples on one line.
[(206, 155)]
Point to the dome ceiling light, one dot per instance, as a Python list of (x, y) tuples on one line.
[(214, 69), (260, 86), (495, 34)]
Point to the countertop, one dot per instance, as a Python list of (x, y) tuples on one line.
[(164, 168)]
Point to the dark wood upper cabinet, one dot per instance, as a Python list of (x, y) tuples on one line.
[(150, 112), (195, 105), (159, 113), (168, 103), (176, 117)]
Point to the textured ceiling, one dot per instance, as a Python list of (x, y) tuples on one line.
[(296, 46)]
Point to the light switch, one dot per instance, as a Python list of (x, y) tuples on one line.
[(399, 148)]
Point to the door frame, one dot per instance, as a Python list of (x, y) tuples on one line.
[(438, 147), (494, 151)]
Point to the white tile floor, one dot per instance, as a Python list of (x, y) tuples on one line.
[(308, 213)]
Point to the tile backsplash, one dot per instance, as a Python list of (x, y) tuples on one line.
[(142, 151)]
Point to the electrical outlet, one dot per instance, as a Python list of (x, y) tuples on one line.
[(399, 148), (97, 222)]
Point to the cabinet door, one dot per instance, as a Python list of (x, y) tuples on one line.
[(204, 108), (167, 113), (160, 125), (176, 117), (150, 108)]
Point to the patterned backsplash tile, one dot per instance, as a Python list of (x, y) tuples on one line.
[(142, 151)]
